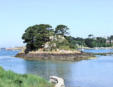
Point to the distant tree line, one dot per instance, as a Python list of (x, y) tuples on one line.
[(36, 36), (92, 41)]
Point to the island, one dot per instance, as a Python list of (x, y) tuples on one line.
[(44, 42)]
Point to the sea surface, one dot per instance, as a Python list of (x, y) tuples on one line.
[(96, 72)]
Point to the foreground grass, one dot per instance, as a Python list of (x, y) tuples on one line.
[(11, 79)]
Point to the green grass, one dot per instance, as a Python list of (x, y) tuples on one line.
[(11, 79)]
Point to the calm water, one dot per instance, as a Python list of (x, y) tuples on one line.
[(99, 50), (86, 73)]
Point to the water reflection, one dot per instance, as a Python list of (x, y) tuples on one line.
[(86, 73), (48, 68)]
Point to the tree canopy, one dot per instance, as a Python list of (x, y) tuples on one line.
[(36, 36), (42, 35), (62, 30)]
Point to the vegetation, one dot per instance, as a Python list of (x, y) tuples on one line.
[(62, 30), (97, 42), (72, 42), (110, 39), (44, 37), (36, 36), (91, 41), (11, 79)]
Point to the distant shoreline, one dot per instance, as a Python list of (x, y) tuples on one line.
[(97, 48), (22, 48), (15, 48), (57, 55)]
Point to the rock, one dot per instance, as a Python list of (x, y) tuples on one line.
[(59, 82)]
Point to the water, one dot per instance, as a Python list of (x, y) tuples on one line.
[(86, 73), (99, 50)]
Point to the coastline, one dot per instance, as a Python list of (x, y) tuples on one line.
[(98, 48), (55, 56)]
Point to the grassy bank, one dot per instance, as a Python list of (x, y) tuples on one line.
[(11, 79)]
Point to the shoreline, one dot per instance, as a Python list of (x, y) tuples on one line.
[(99, 48), (23, 48), (55, 56), (110, 53)]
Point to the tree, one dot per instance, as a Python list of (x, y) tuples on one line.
[(110, 39), (72, 42), (100, 42), (90, 35), (36, 36), (62, 30), (90, 42)]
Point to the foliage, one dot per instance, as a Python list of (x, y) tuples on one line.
[(43, 36), (80, 41), (110, 39), (11, 79), (36, 36), (72, 42), (61, 30), (62, 44), (97, 42), (100, 42), (90, 42), (90, 35)]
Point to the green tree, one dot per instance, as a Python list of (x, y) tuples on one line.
[(72, 42), (80, 41), (90, 42), (90, 36), (62, 30), (110, 39), (100, 42), (36, 36)]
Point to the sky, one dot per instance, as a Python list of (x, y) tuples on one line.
[(83, 17)]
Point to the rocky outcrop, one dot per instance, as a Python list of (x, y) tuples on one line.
[(55, 56), (59, 82), (55, 43)]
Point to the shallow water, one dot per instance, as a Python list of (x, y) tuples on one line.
[(99, 50), (86, 73)]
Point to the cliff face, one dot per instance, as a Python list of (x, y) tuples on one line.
[(55, 56)]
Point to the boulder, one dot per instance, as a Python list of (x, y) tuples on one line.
[(59, 82)]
